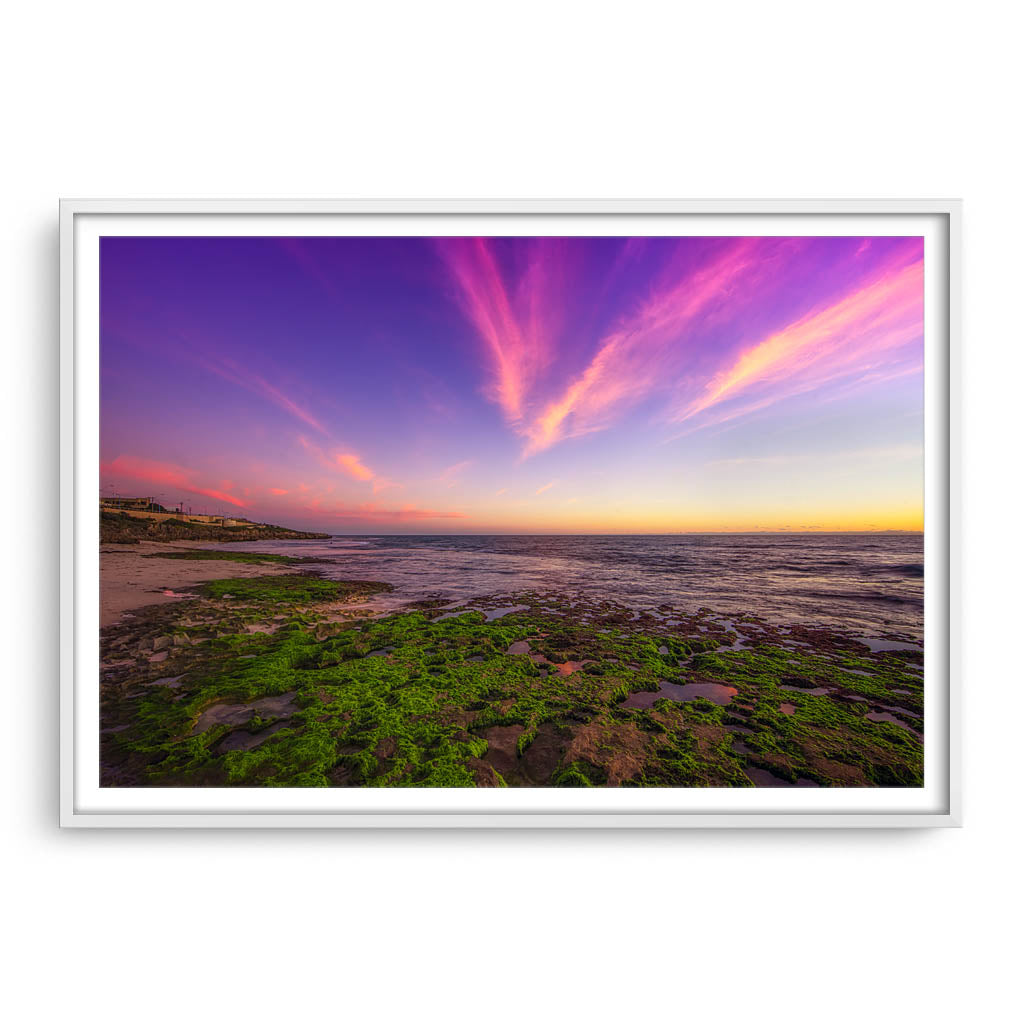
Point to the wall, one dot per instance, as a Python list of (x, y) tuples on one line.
[(532, 99)]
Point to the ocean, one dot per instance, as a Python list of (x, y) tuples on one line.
[(862, 581)]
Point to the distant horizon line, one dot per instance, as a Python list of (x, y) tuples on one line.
[(674, 533)]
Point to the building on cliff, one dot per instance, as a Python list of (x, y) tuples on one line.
[(147, 508)]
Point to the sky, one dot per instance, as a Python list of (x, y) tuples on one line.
[(362, 385)]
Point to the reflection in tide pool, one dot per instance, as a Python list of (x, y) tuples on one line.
[(714, 692)]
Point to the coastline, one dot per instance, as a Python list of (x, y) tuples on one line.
[(223, 668), (131, 579)]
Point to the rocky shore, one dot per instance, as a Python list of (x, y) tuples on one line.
[(258, 672), (119, 528)]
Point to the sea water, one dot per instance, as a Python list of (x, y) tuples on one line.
[(866, 581)]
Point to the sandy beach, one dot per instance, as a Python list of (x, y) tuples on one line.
[(130, 580)]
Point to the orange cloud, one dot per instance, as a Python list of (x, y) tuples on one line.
[(278, 491), (165, 473), (351, 465), (546, 487), (348, 462)]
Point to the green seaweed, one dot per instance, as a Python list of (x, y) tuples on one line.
[(297, 589), (406, 700), (218, 555)]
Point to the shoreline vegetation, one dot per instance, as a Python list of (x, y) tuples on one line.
[(261, 672), (120, 528)]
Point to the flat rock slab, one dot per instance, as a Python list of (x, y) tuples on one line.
[(239, 714), (501, 747)]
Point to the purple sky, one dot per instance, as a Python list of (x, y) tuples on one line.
[(417, 385)]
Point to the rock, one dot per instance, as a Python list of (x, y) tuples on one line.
[(181, 640), (161, 642)]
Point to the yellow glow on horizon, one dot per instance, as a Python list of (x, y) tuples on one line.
[(838, 518)]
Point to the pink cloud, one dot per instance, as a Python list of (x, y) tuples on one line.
[(634, 360), (245, 378), (278, 491), (860, 334), (351, 465), (649, 352), (646, 353), (348, 462), (515, 319), (450, 474), (166, 474), (372, 513)]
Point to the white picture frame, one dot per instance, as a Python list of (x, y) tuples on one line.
[(83, 804)]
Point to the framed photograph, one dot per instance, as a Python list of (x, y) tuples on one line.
[(509, 514)]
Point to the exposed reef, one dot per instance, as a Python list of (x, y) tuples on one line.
[(293, 680)]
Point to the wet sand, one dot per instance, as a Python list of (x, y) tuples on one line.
[(128, 580)]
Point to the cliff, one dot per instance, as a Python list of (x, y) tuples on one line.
[(117, 528)]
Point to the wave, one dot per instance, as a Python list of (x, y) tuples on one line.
[(870, 582), (914, 570)]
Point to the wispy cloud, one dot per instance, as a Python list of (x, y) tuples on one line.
[(339, 460), (855, 334), (352, 465), (450, 474), (514, 317), (546, 487), (660, 351), (166, 474), (519, 323), (369, 512), (301, 253), (348, 463), (229, 370), (823, 392), (898, 452), (632, 360)]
